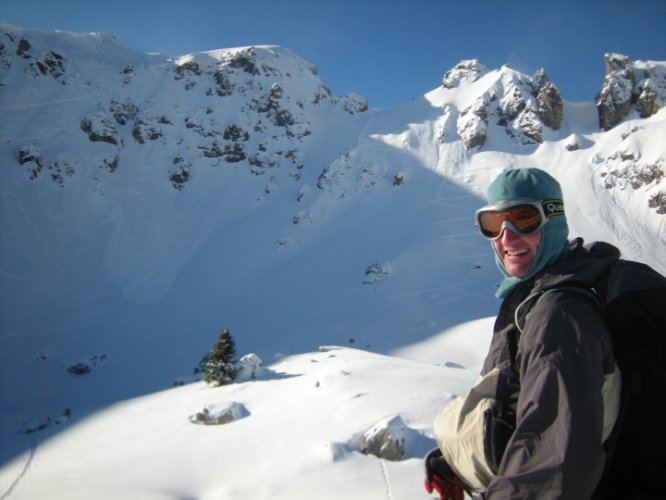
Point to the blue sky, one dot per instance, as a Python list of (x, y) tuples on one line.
[(389, 51)]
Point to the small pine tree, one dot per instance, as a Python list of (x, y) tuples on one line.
[(220, 367)]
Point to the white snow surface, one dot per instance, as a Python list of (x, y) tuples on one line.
[(345, 258)]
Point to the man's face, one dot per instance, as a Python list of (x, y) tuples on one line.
[(517, 252)]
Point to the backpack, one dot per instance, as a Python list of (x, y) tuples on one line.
[(632, 298)]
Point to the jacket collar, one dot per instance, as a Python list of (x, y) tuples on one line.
[(583, 264)]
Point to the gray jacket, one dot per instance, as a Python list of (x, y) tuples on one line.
[(553, 389)]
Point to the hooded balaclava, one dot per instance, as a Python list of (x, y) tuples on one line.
[(534, 184)]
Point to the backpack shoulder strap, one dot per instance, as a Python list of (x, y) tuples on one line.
[(581, 289)]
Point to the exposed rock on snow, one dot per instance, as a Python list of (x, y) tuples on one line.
[(248, 368), (550, 107), (624, 171), (628, 167), (84, 367), (179, 174), (220, 413), (627, 84), (572, 143), (123, 111), (32, 426), (355, 103), (658, 202), (472, 125), (350, 173), (32, 156), (615, 98), (576, 141), (374, 273), (100, 128), (465, 71), (519, 104), (387, 439)]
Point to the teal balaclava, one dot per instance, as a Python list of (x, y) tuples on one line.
[(534, 184)]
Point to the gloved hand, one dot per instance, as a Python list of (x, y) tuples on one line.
[(441, 478)]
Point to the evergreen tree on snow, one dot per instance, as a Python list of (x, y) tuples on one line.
[(220, 367)]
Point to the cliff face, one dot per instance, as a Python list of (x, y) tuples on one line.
[(524, 105), (630, 85), (520, 104)]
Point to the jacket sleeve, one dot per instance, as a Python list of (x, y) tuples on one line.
[(556, 450)]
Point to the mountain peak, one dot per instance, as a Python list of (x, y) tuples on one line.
[(630, 85), (518, 104), (465, 71)]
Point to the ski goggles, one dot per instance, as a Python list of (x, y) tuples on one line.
[(523, 217)]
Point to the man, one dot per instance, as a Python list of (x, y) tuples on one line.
[(534, 426)]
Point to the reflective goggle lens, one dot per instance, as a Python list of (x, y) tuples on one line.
[(525, 219)]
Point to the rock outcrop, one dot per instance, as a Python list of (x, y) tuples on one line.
[(550, 106), (464, 72), (522, 106), (628, 85)]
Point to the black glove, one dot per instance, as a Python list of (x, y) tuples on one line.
[(441, 478)]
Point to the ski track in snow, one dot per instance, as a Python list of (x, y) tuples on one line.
[(24, 471), (449, 297), (387, 481), (22, 107)]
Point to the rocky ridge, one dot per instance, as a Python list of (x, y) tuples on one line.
[(637, 86), (521, 105), (525, 107), (260, 108), (258, 100)]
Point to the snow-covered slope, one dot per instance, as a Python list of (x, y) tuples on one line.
[(147, 203), (301, 436)]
